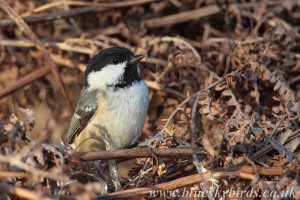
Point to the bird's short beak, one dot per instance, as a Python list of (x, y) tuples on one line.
[(136, 59)]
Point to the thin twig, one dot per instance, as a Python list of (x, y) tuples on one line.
[(196, 161), (182, 17), (157, 86), (106, 5), (72, 20), (8, 174)]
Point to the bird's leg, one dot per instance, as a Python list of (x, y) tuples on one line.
[(113, 168), (113, 171)]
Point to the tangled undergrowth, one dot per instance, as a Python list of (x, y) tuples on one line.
[(225, 81)]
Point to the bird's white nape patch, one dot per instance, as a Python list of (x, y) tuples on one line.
[(108, 75)]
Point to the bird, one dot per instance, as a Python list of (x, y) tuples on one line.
[(112, 105)]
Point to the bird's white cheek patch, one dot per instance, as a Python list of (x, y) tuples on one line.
[(108, 75)]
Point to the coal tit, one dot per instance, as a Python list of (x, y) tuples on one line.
[(113, 103)]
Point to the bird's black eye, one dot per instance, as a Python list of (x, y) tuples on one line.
[(115, 61)]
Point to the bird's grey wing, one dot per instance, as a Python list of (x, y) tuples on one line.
[(86, 108)]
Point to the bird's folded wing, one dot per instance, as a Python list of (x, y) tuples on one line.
[(86, 108)]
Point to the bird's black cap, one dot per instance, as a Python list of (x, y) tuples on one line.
[(114, 56)]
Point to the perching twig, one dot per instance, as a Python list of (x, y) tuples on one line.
[(133, 153)]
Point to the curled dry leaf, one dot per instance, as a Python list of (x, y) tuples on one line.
[(161, 169), (213, 136), (29, 117)]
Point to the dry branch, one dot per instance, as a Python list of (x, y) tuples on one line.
[(24, 81), (37, 18)]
